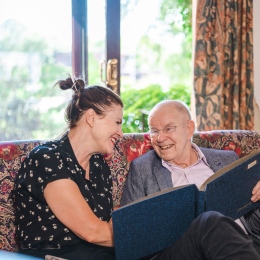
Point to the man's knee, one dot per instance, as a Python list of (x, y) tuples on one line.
[(210, 217), (213, 222), (210, 220)]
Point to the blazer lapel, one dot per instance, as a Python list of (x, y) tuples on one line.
[(218, 159), (162, 175)]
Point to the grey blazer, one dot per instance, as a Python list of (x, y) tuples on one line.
[(147, 175)]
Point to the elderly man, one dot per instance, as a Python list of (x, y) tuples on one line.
[(176, 161)]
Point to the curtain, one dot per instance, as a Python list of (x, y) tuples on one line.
[(223, 65)]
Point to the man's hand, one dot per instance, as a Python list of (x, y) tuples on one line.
[(256, 192)]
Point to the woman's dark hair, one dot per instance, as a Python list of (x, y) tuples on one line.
[(84, 97)]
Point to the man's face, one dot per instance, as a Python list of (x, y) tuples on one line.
[(171, 143)]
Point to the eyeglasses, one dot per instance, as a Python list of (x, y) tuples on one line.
[(167, 130)]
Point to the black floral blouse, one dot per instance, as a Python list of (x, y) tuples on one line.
[(36, 223)]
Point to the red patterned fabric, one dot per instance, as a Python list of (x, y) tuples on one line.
[(240, 141), (11, 156), (127, 149)]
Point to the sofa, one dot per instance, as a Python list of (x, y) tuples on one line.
[(12, 153)]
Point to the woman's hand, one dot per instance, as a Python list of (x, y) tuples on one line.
[(111, 225)]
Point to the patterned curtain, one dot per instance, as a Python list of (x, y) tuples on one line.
[(223, 65)]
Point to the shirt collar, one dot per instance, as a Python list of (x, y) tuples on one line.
[(200, 154)]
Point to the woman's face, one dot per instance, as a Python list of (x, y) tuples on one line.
[(107, 129)]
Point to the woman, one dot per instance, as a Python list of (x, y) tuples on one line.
[(63, 192)]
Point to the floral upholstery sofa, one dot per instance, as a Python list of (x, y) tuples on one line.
[(12, 153)]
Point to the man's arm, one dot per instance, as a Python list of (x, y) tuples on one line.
[(134, 187)]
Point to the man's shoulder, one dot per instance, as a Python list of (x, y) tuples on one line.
[(150, 155), (217, 151)]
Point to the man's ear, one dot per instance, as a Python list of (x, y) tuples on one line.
[(90, 117), (191, 129)]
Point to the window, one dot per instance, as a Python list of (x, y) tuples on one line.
[(43, 41), (35, 52)]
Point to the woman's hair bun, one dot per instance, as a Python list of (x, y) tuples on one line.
[(78, 85)]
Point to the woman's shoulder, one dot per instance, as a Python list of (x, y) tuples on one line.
[(45, 150)]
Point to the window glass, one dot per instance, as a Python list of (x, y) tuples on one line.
[(96, 42), (35, 52)]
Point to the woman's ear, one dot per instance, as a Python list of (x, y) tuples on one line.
[(90, 116)]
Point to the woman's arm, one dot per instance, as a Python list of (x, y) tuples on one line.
[(67, 203)]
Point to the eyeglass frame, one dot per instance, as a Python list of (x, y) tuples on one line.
[(173, 129)]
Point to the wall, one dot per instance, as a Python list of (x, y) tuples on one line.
[(256, 21)]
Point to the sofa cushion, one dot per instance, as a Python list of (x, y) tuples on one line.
[(240, 141)]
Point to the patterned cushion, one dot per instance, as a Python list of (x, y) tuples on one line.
[(240, 141), (127, 149)]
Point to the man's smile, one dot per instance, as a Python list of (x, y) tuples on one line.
[(165, 147)]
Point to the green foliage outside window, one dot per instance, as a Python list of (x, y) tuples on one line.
[(145, 99)]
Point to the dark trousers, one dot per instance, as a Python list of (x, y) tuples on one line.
[(212, 236)]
